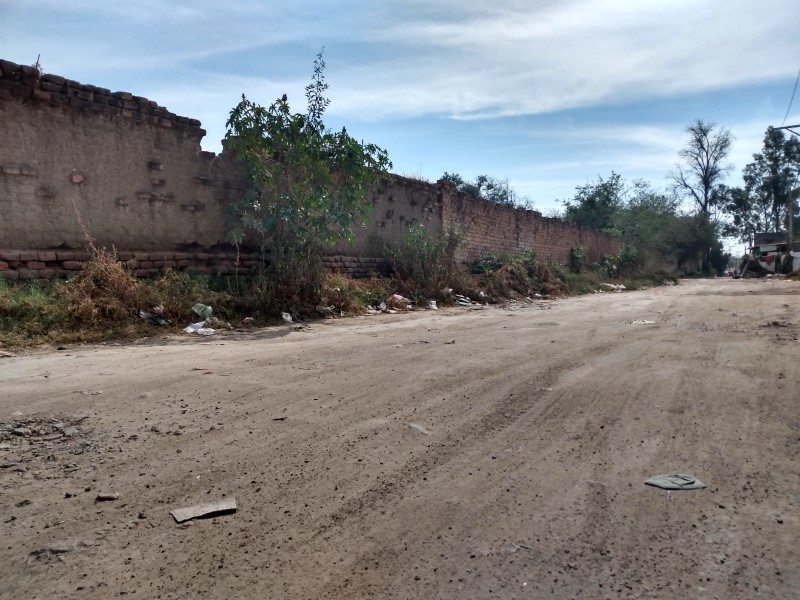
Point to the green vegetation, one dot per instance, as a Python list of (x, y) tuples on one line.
[(425, 261), (103, 302), (308, 191), (489, 188), (656, 234)]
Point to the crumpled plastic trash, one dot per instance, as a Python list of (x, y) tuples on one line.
[(643, 322), (248, 321), (199, 328), (287, 318), (203, 310), (432, 305), (462, 300), (613, 287)]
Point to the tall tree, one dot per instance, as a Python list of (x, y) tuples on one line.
[(703, 167), (770, 187), (597, 204), (308, 187)]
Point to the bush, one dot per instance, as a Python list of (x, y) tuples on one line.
[(577, 259), (429, 261)]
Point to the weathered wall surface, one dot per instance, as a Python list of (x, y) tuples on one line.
[(135, 175), (133, 170), (491, 228)]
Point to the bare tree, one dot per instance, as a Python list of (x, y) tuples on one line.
[(700, 175)]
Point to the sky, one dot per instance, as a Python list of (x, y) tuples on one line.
[(547, 94)]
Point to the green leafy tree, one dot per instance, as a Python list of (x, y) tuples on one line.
[(308, 189), (596, 204), (489, 188), (770, 187)]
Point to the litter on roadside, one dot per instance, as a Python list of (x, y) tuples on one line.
[(462, 300), (613, 287), (203, 310), (432, 305), (675, 481), (419, 428), (398, 301), (643, 322), (153, 318), (287, 318), (106, 496), (199, 328), (209, 509)]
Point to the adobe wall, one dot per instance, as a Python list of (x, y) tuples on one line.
[(133, 170), (135, 175)]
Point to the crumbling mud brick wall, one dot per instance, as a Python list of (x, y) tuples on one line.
[(77, 159), (131, 172), (395, 203), (490, 228)]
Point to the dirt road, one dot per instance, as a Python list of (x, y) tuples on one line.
[(465, 453)]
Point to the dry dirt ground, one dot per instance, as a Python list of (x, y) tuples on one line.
[(535, 427)]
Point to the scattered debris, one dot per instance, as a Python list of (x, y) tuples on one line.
[(432, 305), (462, 300), (153, 318), (278, 418), (419, 428), (203, 311), (613, 287), (106, 496), (777, 324), (199, 328), (218, 323), (287, 318), (398, 301), (643, 322), (248, 322), (55, 550), (675, 482), (325, 310), (4, 354), (209, 509), (451, 342)]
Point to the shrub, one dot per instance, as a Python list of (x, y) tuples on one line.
[(577, 259), (429, 261)]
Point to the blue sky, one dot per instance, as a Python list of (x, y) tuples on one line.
[(548, 94)]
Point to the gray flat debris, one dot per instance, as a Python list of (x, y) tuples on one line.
[(210, 509), (675, 481), (419, 428)]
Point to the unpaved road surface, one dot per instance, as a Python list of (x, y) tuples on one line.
[(535, 427)]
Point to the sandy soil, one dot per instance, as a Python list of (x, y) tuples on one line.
[(535, 427)]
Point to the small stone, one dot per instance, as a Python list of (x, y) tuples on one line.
[(21, 431)]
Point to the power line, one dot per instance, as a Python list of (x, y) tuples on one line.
[(792, 99)]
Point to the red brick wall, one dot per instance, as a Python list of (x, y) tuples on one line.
[(490, 228)]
